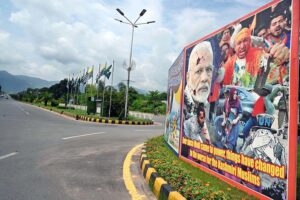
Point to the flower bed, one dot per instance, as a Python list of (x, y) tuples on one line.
[(189, 181)]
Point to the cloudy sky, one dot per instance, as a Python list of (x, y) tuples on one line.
[(52, 39)]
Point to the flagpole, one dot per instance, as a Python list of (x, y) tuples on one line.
[(85, 90), (102, 105), (92, 81), (68, 85), (76, 89), (112, 82), (103, 98), (97, 81), (72, 95), (82, 96)]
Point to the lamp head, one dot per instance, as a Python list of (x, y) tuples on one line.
[(143, 12)]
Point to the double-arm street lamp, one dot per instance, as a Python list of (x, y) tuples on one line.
[(133, 25)]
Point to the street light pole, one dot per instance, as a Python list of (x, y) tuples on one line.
[(133, 25), (129, 69)]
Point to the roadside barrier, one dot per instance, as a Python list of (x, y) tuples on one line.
[(112, 121)]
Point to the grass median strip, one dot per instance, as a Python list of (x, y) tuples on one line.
[(189, 181), (93, 117)]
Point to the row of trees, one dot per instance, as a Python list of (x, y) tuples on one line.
[(152, 102)]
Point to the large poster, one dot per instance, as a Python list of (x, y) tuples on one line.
[(173, 114), (236, 92)]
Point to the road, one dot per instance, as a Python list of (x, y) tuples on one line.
[(46, 156)]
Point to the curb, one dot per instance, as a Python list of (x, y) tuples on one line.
[(160, 187), (98, 120), (112, 121)]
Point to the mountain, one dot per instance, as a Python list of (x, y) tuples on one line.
[(141, 91), (16, 83), (36, 82)]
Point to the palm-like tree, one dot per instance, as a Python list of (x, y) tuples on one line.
[(46, 96)]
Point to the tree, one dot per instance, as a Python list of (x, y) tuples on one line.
[(58, 90), (154, 96), (121, 87), (90, 90), (163, 96), (46, 96), (132, 95)]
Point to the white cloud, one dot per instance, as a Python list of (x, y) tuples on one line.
[(51, 39), (255, 3), (21, 17), (4, 35), (192, 24), (12, 51), (37, 70)]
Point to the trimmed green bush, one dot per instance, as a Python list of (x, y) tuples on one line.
[(54, 103), (191, 182)]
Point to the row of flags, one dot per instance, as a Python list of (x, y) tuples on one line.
[(106, 71), (88, 74)]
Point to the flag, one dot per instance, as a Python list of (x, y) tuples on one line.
[(78, 79), (72, 82), (86, 76), (106, 71), (68, 82), (90, 73), (98, 75), (83, 78)]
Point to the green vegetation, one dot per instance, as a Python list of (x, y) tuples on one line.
[(191, 182), (74, 112), (58, 94), (150, 103)]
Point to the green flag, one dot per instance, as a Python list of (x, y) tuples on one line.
[(106, 71)]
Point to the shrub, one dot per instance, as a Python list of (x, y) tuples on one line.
[(191, 186), (54, 103)]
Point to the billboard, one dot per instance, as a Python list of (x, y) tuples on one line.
[(239, 102), (173, 113)]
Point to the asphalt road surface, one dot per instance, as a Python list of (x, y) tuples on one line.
[(46, 156)]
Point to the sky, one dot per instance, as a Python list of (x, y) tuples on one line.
[(54, 39)]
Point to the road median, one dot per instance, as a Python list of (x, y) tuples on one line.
[(93, 118)]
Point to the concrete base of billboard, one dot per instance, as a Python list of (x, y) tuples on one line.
[(160, 188)]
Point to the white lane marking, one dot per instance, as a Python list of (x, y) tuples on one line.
[(77, 136), (22, 109), (140, 130), (8, 155)]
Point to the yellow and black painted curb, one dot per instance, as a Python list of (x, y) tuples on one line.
[(112, 121), (100, 120), (160, 188)]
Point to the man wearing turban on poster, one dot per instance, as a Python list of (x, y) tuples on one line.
[(242, 68)]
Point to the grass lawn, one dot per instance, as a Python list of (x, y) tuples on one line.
[(83, 113), (190, 181)]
